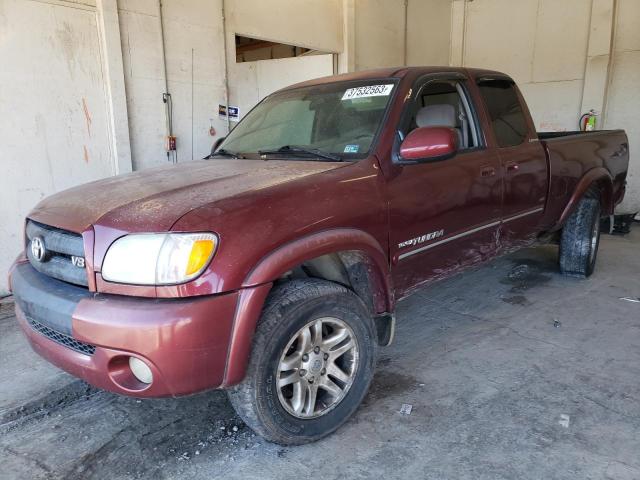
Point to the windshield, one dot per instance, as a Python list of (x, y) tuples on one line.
[(338, 118)]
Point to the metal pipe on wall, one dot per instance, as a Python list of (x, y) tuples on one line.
[(226, 65), (166, 96), (406, 34)]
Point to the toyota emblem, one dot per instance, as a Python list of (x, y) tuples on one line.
[(38, 249)]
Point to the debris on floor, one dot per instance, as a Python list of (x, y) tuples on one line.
[(406, 408), (564, 420), (630, 299), (621, 224), (557, 323)]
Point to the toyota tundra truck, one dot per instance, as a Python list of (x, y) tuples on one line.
[(273, 267)]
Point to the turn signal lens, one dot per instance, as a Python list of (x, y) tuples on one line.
[(201, 252)]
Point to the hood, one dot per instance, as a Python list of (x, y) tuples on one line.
[(154, 199)]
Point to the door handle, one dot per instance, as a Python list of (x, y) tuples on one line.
[(512, 167), (488, 172)]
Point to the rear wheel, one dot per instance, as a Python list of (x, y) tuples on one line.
[(580, 239), (312, 362)]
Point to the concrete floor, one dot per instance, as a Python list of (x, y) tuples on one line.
[(513, 371)]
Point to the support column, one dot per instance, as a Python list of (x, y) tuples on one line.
[(458, 30), (109, 30), (598, 64), (347, 59)]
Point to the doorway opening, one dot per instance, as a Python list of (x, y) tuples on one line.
[(252, 49)]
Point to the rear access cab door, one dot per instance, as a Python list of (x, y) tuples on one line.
[(523, 160)]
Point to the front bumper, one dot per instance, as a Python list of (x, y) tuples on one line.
[(184, 341)]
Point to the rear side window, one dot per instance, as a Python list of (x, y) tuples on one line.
[(505, 112)]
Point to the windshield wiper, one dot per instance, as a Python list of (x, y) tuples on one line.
[(293, 149), (225, 153)]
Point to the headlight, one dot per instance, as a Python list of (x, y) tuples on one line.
[(158, 258)]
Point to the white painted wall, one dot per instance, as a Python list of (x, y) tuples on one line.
[(55, 127), (315, 24), (532, 41), (283, 21), (255, 80), (379, 33), (623, 97), (428, 32), (390, 33), (195, 71), (562, 56)]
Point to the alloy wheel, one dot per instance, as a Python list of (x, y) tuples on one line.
[(317, 368)]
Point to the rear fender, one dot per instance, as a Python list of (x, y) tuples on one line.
[(599, 178), (257, 284)]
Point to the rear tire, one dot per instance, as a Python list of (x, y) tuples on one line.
[(580, 239), (308, 329)]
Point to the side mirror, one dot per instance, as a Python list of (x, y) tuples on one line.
[(429, 144)]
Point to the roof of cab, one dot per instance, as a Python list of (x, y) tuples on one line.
[(392, 72)]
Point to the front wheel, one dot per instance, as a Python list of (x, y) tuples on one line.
[(580, 239), (312, 361)]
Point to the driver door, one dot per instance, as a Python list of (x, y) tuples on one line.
[(444, 215)]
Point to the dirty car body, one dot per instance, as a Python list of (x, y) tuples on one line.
[(390, 216)]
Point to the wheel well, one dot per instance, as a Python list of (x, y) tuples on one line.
[(601, 190), (351, 269), (355, 271)]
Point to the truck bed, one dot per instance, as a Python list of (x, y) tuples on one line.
[(569, 133), (572, 154)]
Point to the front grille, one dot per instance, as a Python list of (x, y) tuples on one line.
[(61, 338), (59, 247)]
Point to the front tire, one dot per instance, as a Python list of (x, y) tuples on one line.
[(313, 358), (580, 239)]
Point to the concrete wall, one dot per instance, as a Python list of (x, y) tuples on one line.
[(568, 57), (306, 23), (428, 32), (397, 32), (379, 33), (534, 43), (282, 21), (61, 111), (195, 71), (622, 108), (250, 82)]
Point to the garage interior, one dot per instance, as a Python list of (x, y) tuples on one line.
[(510, 370)]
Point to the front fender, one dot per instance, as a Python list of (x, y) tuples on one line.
[(283, 259), (258, 282)]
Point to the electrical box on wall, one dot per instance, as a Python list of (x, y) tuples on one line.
[(171, 143)]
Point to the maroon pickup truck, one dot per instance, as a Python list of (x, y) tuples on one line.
[(273, 267)]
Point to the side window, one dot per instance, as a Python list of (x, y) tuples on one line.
[(505, 112), (445, 104)]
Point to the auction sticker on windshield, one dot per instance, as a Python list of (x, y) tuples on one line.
[(367, 91)]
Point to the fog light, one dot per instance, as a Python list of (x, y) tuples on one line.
[(140, 370)]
